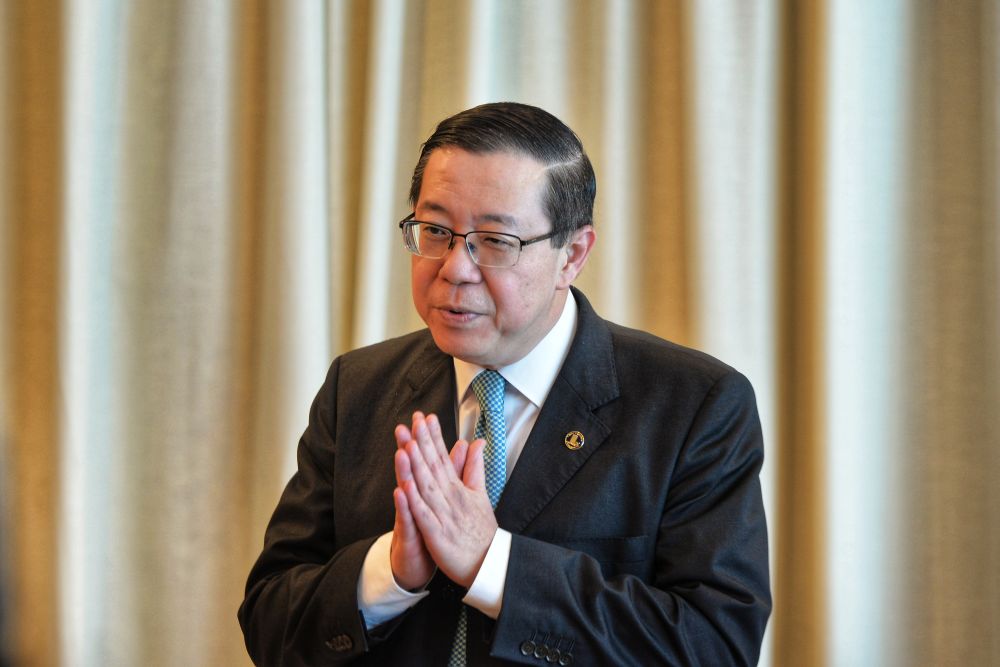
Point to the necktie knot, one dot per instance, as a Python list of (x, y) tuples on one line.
[(488, 387)]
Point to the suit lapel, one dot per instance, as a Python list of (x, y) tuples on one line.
[(586, 381), (431, 383)]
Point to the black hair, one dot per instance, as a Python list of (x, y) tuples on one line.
[(521, 128)]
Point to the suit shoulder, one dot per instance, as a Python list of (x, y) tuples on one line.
[(381, 371), (641, 352), (400, 345), (377, 359)]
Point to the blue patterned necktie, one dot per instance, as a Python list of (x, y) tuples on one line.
[(488, 387)]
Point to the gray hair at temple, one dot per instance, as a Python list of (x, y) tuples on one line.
[(521, 128)]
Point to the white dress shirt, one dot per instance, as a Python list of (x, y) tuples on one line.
[(529, 381)]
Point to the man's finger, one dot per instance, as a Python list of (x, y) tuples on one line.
[(458, 456), (404, 471), (474, 472), (432, 457), (410, 561), (403, 435), (434, 426), (404, 528), (423, 515), (424, 483)]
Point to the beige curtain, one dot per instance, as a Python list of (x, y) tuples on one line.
[(197, 207)]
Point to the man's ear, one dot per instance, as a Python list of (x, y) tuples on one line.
[(575, 253)]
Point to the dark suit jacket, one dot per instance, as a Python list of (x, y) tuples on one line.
[(645, 546)]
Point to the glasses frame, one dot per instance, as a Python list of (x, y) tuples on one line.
[(410, 220)]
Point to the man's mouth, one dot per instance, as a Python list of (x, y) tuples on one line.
[(457, 310), (457, 313)]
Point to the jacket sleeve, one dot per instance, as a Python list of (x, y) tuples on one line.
[(706, 600), (301, 606)]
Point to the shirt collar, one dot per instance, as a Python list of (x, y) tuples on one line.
[(536, 372)]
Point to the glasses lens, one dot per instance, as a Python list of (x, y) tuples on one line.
[(426, 240), (493, 249), (486, 248)]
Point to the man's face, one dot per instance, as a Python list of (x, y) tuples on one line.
[(491, 316)]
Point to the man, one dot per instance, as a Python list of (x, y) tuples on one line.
[(607, 510)]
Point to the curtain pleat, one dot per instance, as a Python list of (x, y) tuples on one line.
[(799, 626), (31, 429), (951, 350)]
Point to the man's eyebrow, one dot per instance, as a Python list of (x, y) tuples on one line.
[(502, 218), (432, 206)]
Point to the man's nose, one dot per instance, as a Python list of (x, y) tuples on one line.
[(458, 266)]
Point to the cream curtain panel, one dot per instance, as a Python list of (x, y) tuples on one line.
[(197, 207)]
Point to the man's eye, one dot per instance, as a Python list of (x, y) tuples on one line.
[(434, 232), (497, 242)]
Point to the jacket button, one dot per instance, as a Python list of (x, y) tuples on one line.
[(541, 651), (527, 647), (566, 659), (553, 655)]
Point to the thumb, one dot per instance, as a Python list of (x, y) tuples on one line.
[(474, 474), (459, 454)]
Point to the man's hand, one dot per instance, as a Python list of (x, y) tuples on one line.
[(411, 563), (443, 498)]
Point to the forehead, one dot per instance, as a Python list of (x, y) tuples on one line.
[(506, 179)]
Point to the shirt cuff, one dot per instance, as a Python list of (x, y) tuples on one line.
[(486, 591), (379, 596)]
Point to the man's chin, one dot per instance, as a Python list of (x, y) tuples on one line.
[(467, 348)]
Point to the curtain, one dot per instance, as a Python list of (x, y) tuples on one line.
[(197, 208)]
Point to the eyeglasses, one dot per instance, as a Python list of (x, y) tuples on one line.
[(489, 249)]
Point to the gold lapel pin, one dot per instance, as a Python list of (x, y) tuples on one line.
[(574, 440)]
